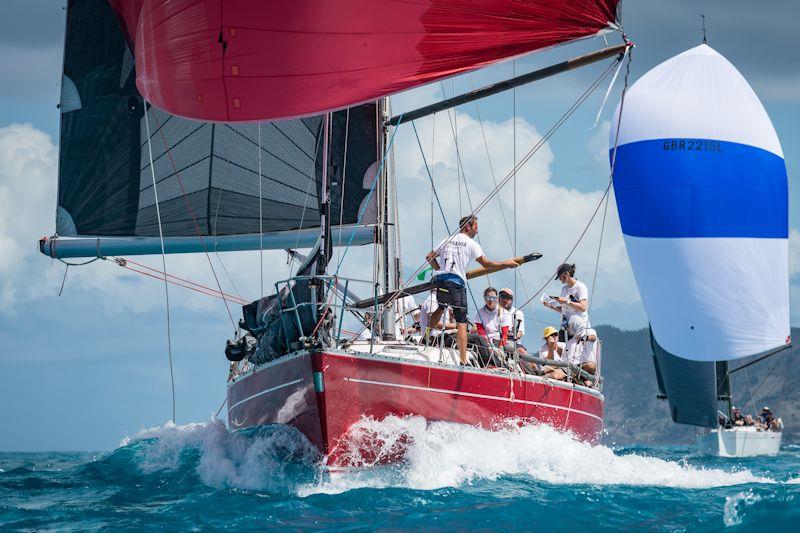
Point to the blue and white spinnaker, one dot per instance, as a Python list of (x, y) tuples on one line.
[(702, 194)]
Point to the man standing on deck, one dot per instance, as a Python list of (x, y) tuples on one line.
[(449, 261), (574, 299)]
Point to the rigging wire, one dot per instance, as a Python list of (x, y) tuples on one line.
[(216, 253), (500, 204), (611, 174), (344, 183), (260, 222), (163, 258), (441, 209), (188, 207), (514, 131), (305, 202), (526, 158)]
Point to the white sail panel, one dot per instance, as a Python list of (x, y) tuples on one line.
[(702, 194)]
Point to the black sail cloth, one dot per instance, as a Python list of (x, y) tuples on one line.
[(207, 174)]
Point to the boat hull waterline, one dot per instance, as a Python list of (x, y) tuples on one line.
[(323, 394)]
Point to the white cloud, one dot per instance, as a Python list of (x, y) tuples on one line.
[(28, 184)]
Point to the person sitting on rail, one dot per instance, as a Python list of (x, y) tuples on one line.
[(553, 350), (574, 299), (582, 348), (768, 420), (435, 331), (490, 325), (450, 276), (736, 417), (506, 296)]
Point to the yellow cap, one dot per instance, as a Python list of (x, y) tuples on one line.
[(549, 330)]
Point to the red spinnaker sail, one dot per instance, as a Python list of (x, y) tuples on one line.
[(245, 60)]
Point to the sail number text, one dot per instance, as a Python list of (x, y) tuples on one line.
[(698, 145)]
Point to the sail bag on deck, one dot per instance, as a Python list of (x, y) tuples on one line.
[(701, 190)]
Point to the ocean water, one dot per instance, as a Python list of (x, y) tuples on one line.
[(202, 477)]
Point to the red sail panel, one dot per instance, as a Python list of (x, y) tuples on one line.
[(239, 60)]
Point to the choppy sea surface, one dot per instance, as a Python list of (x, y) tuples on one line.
[(202, 477)]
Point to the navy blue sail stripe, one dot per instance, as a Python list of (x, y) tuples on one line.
[(678, 188)]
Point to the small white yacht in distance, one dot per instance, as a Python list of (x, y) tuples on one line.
[(752, 438)]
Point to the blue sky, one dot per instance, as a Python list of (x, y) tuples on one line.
[(82, 371)]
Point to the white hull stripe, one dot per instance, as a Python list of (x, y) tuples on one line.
[(474, 395), (267, 391)]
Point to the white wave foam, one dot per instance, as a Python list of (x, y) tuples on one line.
[(226, 459), (442, 454), (793, 481), (733, 511)]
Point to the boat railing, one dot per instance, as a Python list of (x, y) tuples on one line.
[(337, 291)]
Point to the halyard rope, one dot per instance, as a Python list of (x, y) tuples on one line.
[(163, 258)]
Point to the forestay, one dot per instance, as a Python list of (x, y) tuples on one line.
[(701, 191), (207, 174)]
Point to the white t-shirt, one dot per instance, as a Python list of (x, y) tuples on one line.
[(493, 321), (556, 356), (404, 308), (364, 335), (578, 292), (454, 256), (426, 310), (517, 320), (582, 351)]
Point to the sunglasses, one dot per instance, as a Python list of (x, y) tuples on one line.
[(490, 298), (506, 297)]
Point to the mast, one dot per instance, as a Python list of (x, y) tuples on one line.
[(386, 214), (325, 209)]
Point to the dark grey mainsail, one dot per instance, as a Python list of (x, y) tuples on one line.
[(207, 174), (690, 387)]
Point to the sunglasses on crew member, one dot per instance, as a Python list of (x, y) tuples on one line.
[(505, 296), (490, 298)]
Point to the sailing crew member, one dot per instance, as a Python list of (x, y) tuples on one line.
[(449, 260), (427, 308), (769, 421), (405, 307), (574, 299), (506, 296), (736, 417), (553, 350), (366, 331), (581, 348), (491, 328)]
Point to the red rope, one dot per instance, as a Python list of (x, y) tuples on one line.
[(186, 284)]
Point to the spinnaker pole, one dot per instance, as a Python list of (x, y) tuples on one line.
[(505, 85)]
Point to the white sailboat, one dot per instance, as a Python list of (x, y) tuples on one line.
[(702, 193)]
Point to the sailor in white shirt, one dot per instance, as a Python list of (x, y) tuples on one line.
[(581, 348), (406, 310), (366, 331), (517, 318), (449, 261), (574, 299), (427, 308)]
